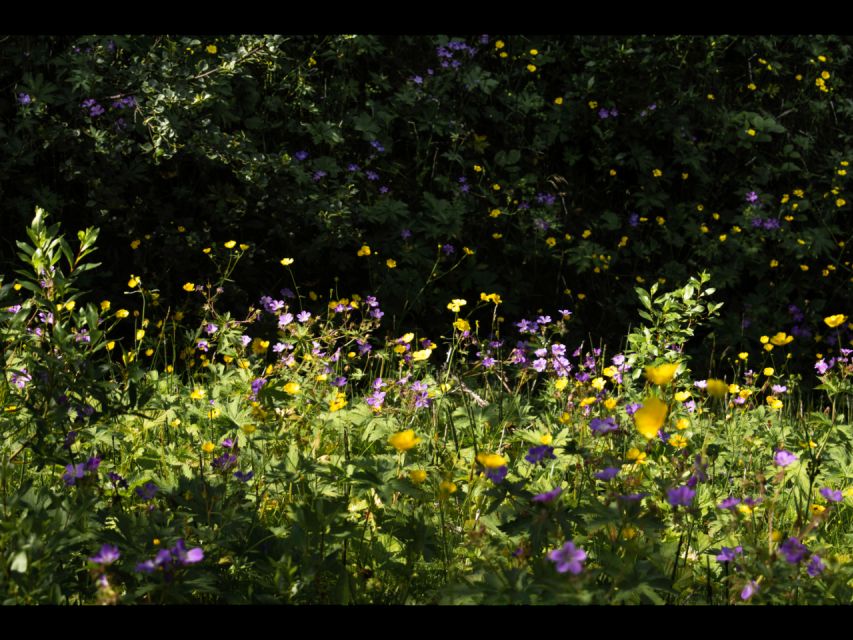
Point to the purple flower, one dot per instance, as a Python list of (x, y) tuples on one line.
[(816, 566), (107, 555), (92, 464), (539, 364), (600, 427), (417, 79), (752, 197), (749, 590), (833, 495), (784, 458), (303, 316), (568, 558), (340, 381), (448, 249), (20, 378), (632, 408), (210, 328), (729, 555), (793, 550), (244, 477), (245, 340), (701, 384), (257, 385), (680, 496), (284, 320), (24, 99), (607, 474), (224, 462), (352, 167), (540, 454), (116, 480), (301, 155), (405, 234), (147, 491), (202, 345), (371, 175), (729, 503), (185, 556), (497, 475), (94, 108), (634, 219), (821, 367), (548, 496), (377, 145), (318, 175), (73, 472), (376, 399)]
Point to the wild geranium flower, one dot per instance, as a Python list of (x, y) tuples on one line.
[(548, 496), (833, 495), (404, 440), (568, 558), (729, 555), (816, 566), (73, 472), (107, 555), (680, 496), (497, 475), (784, 458), (749, 590), (147, 491), (540, 454), (600, 427), (793, 550), (607, 474), (729, 503), (244, 477)]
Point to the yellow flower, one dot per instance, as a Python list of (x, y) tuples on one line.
[(491, 460), (244, 246), (111, 345), (189, 286), (286, 262), (745, 509), (291, 388), (717, 388), (710, 96), (678, 441), (558, 100), (122, 313), (70, 305), (681, 396), (338, 402), (531, 68), (456, 304), (491, 297), (423, 354), (400, 349), (835, 321), (751, 86), (551, 242), (213, 413), (534, 52), (649, 419), (585, 402), (840, 202), (817, 509), (197, 394), (561, 384), (774, 402), (497, 236), (404, 440), (230, 244), (211, 49), (750, 132), (417, 475), (733, 388), (407, 337), (135, 244), (446, 488), (391, 263), (478, 168), (610, 404), (592, 104), (462, 325), (781, 339), (586, 233), (259, 346), (657, 173), (208, 447), (662, 374), (743, 355), (133, 282), (637, 456), (496, 187), (364, 251), (682, 424), (768, 371), (499, 44), (468, 252), (546, 438), (140, 333), (598, 383)]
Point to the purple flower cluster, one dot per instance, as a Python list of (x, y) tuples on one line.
[(169, 559), (92, 106), (601, 426), (680, 496), (540, 454), (107, 555), (75, 472)]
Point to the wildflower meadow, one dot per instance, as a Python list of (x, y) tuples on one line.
[(426, 320)]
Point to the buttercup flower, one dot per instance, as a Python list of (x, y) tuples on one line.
[(404, 440)]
